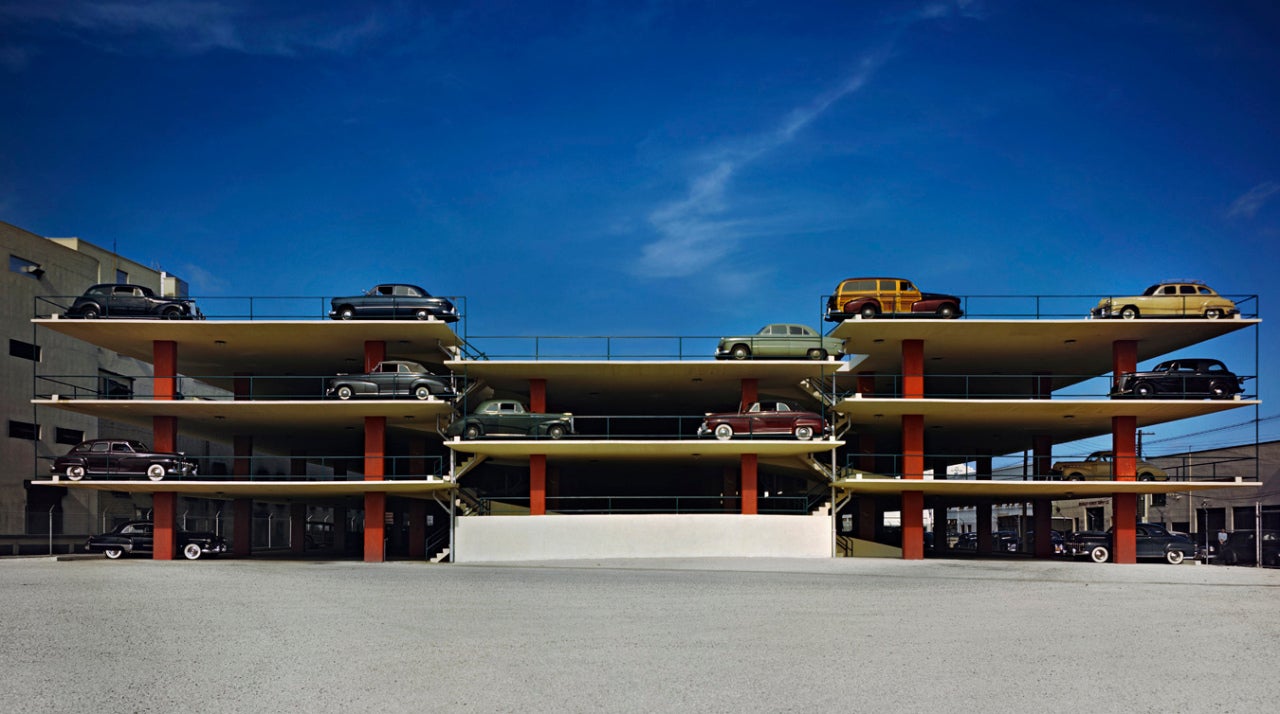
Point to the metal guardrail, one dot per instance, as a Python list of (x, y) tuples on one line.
[(774, 505), (197, 387), (245, 307), (1043, 307), (1017, 467), (285, 468)]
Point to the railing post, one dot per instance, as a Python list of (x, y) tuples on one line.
[(51, 529)]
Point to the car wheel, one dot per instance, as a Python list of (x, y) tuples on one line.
[(1218, 390), (191, 551), (422, 315), (740, 352), (1174, 557), (75, 473), (471, 432), (89, 312), (804, 433), (421, 392), (555, 431), (1144, 390), (1129, 312), (155, 472), (346, 312), (1212, 313), (1146, 476), (816, 355), (946, 311), (868, 312), (345, 392), (1075, 477), (113, 553), (171, 313), (1099, 554), (724, 432)]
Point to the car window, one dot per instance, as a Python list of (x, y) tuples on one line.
[(1187, 289), (888, 285), (385, 290), (100, 446), (1169, 290), (907, 286), (1204, 291), (782, 407), (1215, 367), (754, 408), (507, 407), (120, 446), (136, 445), (797, 330)]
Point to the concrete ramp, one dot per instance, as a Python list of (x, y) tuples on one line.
[(480, 539)]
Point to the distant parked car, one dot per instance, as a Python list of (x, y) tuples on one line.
[(507, 417), (769, 418), (115, 458), (135, 537), (887, 297), (1153, 541), (393, 301), (1180, 378), (121, 300), (392, 378), (1100, 466), (1241, 548), (1171, 299), (780, 341)]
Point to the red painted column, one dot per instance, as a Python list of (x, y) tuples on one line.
[(912, 501), (418, 529), (866, 385), (242, 460), (165, 362), (164, 430), (1124, 506), (750, 392), (912, 369), (537, 484), (242, 527), (297, 527), (242, 387), (375, 351), (375, 502), (538, 396), (164, 518), (1124, 358), (750, 485)]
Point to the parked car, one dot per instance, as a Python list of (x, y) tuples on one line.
[(889, 297), (121, 300), (393, 301), (1100, 466), (506, 417), (1153, 541), (114, 458), (1241, 548), (780, 341), (770, 418), (1168, 299), (1180, 378), (393, 378), (137, 537)]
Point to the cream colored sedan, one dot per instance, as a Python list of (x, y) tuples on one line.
[(1189, 299)]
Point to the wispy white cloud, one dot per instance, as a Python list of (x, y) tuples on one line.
[(696, 231), (1248, 205), (198, 26)]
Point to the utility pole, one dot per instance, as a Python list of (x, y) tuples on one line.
[(1141, 434)]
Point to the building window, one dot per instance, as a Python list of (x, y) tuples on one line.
[(114, 386), (68, 436), (25, 350), (22, 266), (121, 276), (24, 430)]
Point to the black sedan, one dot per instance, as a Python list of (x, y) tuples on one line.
[(1241, 548), (1153, 541), (138, 537), (393, 301), (131, 301), (392, 378), (1179, 379), (115, 458)]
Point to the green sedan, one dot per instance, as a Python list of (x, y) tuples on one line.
[(780, 341)]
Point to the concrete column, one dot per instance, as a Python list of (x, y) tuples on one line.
[(242, 527), (868, 517), (1124, 506), (164, 517), (1124, 358), (375, 351), (538, 396), (375, 502), (242, 461), (164, 433), (537, 484), (750, 392), (242, 386), (297, 527), (165, 362), (912, 369), (750, 504), (1042, 514), (866, 385), (912, 501)]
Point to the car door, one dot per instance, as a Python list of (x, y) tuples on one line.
[(124, 459), (768, 419), (98, 458), (145, 539), (771, 342), (383, 378)]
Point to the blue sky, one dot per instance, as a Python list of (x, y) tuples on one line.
[(655, 168)]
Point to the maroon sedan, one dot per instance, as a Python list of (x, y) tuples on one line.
[(765, 419)]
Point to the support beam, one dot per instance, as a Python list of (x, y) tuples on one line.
[(1124, 506), (913, 369), (912, 501), (242, 527), (538, 396), (750, 392), (375, 448), (1124, 358), (164, 433), (1042, 515), (375, 351), (165, 362), (537, 484), (866, 384), (750, 484), (242, 456), (297, 528), (417, 529), (375, 526), (164, 521)]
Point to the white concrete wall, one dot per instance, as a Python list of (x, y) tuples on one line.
[(509, 538)]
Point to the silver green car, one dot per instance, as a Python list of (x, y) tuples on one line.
[(780, 341)]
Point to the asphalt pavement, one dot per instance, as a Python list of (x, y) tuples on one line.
[(714, 635)]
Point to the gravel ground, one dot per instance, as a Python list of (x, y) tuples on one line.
[(706, 635)]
